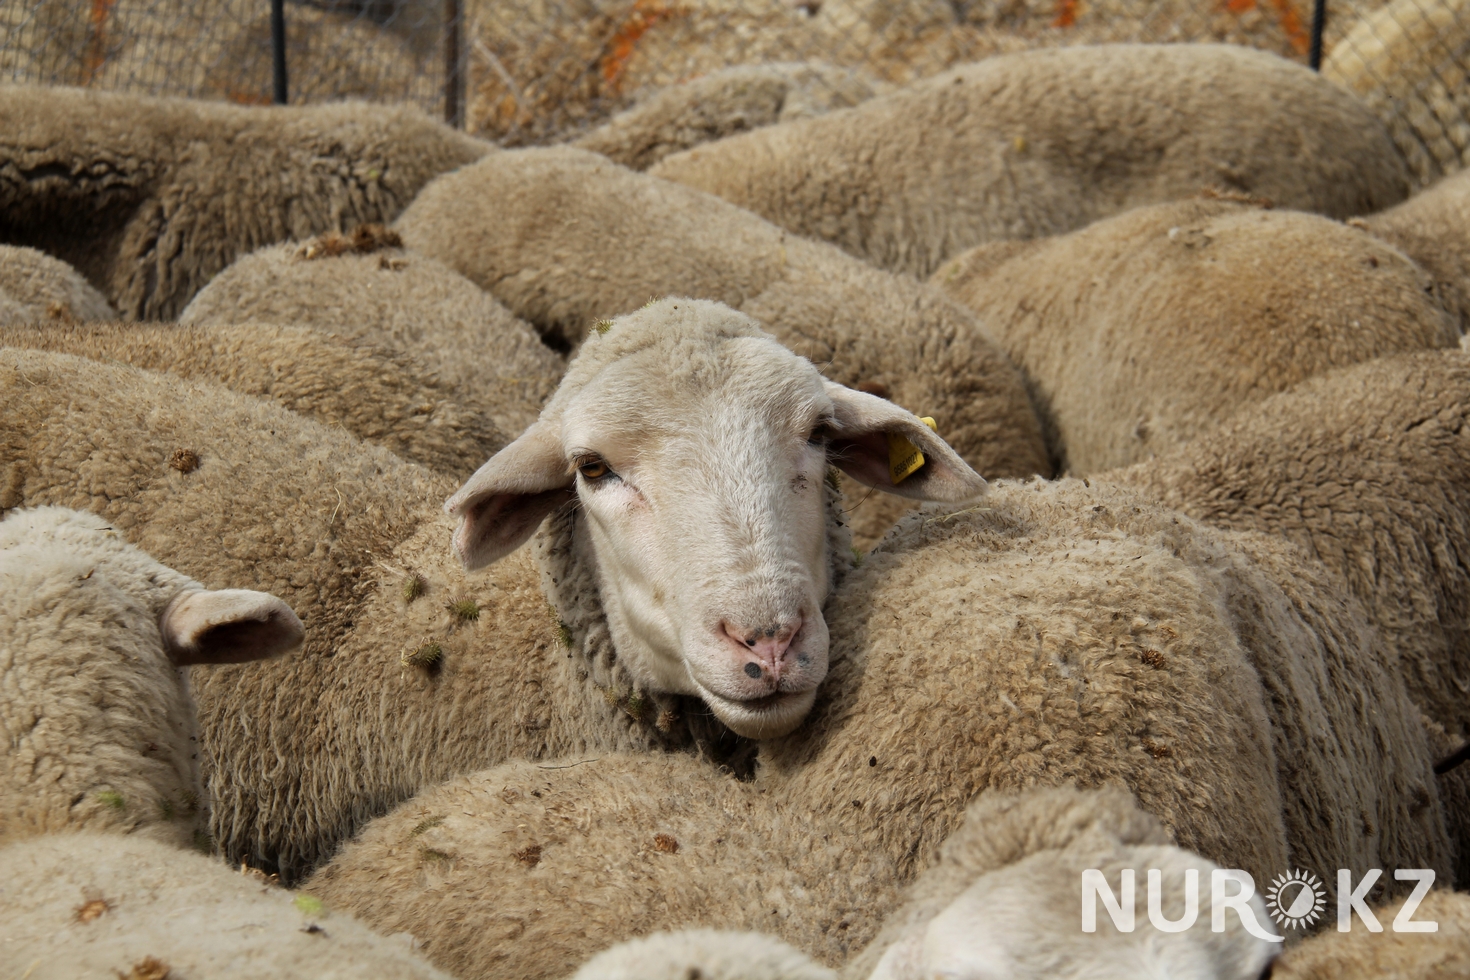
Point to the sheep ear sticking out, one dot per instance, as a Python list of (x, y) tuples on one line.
[(860, 447), (228, 626), (503, 503)]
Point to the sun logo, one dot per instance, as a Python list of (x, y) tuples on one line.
[(1296, 899)]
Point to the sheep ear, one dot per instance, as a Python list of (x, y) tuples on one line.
[(870, 433), (228, 626), (501, 506)]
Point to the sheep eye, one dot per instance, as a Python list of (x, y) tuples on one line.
[(821, 433), (593, 470)]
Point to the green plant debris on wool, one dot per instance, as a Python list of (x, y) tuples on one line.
[(309, 905), (112, 800), (857, 557), (427, 655), (834, 478), (190, 801), (427, 824), (636, 705), (429, 854), (166, 809), (203, 843), (602, 326), (414, 586), (465, 610)]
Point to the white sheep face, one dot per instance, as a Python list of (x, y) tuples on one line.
[(696, 447)]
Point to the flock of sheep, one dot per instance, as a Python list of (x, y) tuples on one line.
[(674, 685)]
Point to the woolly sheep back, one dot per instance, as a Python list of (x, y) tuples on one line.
[(148, 198), (34, 287), (722, 103), (705, 953), (1364, 955), (1142, 331), (383, 296), (1431, 228), (1045, 141), (97, 904), (381, 396)]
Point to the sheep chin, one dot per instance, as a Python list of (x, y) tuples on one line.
[(768, 717)]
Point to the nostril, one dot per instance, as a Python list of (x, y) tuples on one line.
[(750, 643), (752, 671)]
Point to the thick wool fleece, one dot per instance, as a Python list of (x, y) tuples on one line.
[(1042, 142), (35, 288), (149, 198), (401, 301), (1368, 470), (721, 104), (621, 239), (1144, 330), (1067, 634), (1012, 869), (99, 906), (308, 748), (707, 953), (1433, 229), (1388, 955), (527, 870), (97, 721), (378, 395)]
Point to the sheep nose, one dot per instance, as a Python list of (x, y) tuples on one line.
[(765, 645)]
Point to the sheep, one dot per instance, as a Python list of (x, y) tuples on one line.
[(366, 288), (1365, 470), (99, 788), (149, 198), (35, 287), (622, 238), (1043, 142), (721, 103), (1408, 61), (1056, 634), (1140, 332), (404, 651), (712, 953), (97, 715), (378, 395), (1365, 955), (996, 902), (103, 905), (1430, 228)]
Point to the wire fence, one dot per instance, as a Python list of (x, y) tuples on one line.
[(537, 71)]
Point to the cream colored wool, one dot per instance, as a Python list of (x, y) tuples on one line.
[(1142, 331), (722, 103), (149, 198), (1042, 142), (1367, 470), (378, 395), (621, 239), (707, 953), (98, 906), (96, 713), (1388, 955), (999, 899), (1057, 634), (398, 300), (34, 287), (527, 870), (1433, 229)]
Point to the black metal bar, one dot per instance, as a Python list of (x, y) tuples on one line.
[(1319, 21), (278, 50), (454, 80)]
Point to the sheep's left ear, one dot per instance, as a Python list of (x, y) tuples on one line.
[(228, 626), (871, 435)]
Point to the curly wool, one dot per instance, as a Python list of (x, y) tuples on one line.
[(149, 198), (1041, 142), (1144, 330)]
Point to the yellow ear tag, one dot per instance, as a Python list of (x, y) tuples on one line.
[(904, 458)]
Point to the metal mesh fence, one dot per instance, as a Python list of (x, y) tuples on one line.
[(536, 71)]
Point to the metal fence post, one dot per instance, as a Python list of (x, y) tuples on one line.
[(1319, 21), (278, 50), (454, 80)]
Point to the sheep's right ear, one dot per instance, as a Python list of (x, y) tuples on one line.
[(501, 506), (228, 626)]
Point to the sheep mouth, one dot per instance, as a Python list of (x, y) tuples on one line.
[(770, 716)]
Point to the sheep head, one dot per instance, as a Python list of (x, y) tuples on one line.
[(696, 447)]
